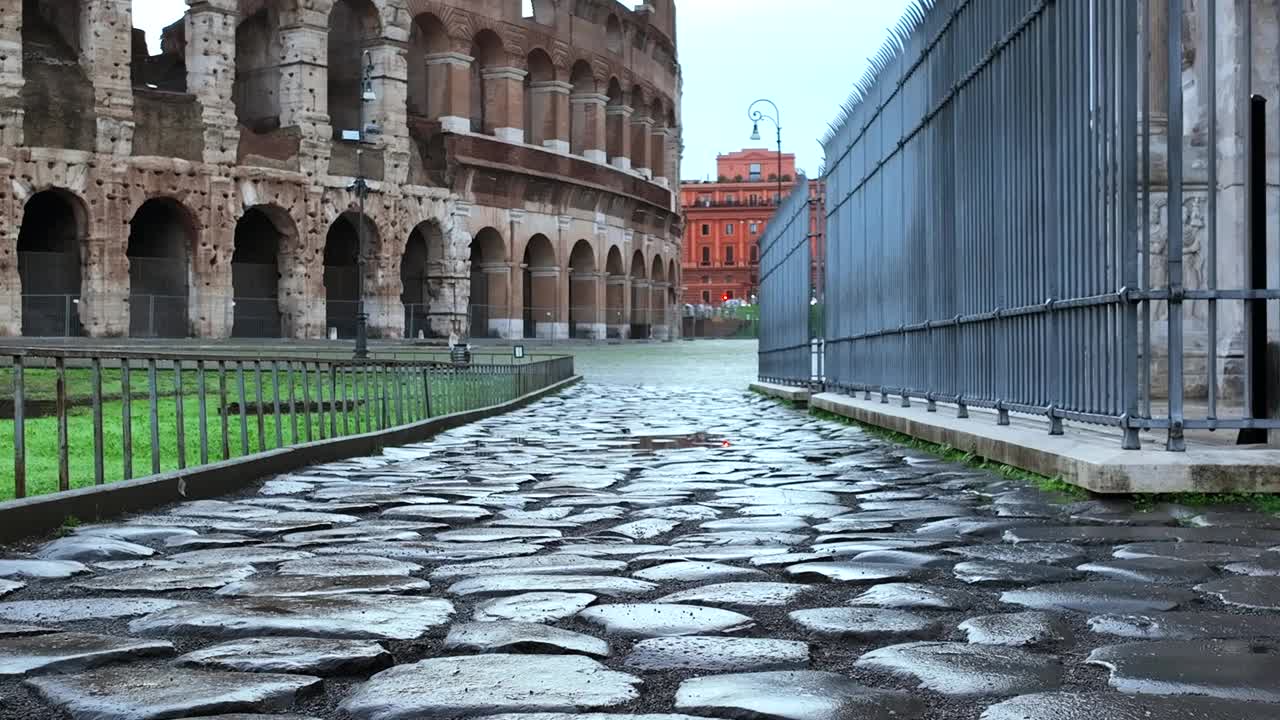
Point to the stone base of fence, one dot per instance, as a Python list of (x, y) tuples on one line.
[(1087, 456), (44, 513), (790, 393)]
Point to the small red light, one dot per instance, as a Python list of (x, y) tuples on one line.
[(724, 443)]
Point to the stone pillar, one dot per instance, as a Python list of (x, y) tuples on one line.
[(106, 49), (641, 142), (449, 84), (550, 115), (618, 304), (382, 284), (11, 79), (618, 133), (390, 111), (640, 296), (588, 124), (504, 103), (658, 310), (211, 72), (600, 329), (658, 154), (104, 276), (505, 320), (304, 86)]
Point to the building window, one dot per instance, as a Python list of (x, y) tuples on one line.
[(755, 172), (754, 228), (728, 228), (704, 200), (706, 297), (728, 294), (706, 255), (730, 199), (706, 229), (755, 254), (706, 279), (728, 254), (753, 200)]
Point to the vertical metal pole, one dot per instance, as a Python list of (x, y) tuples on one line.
[(1211, 278), (244, 409), (1255, 316), (1128, 225), (222, 409), (333, 399), (293, 402), (126, 419), (179, 420), (1176, 441), (262, 404), (320, 411), (275, 402), (64, 464), (153, 414), (99, 472), (344, 373), (426, 388), (203, 405), (362, 189), (19, 428), (306, 400)]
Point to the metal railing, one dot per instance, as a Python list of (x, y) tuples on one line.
[(75, 418), (785, 347), (1002, 191)]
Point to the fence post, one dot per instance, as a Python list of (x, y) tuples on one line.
[(1176, 441), (1255, 319), (19, 428)]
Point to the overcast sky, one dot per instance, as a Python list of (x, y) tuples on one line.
[(802, 54)]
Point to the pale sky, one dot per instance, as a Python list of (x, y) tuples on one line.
[(802, 54)]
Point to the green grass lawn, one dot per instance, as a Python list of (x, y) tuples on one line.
[(447, 393)]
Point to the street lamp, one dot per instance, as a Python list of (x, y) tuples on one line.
[(758, 115), (361, 189)]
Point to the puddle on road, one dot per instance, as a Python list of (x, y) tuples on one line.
[(651, 442)]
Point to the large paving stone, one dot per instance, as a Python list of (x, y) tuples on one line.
[(914, 595), (739, 594), (589, 716), (372, 617), (433, 552), (963, 669), (1029, 553), (647, 620), (1211, 553), (341, 566), (1267, 565), (1017, 629), (1099, 597), (303, 656), (718, 654), (240, 556), (852, 571), (167, 578), (495, 534), (1151, 570), (522, 637), (8, 630), (41, 569), (300, 586), (139, 533), (1115, 706), (996, 572), (692, 571), (1259, 593), (140, 691), (1187, 626), (555, 564), (644, 529), (486, 684), (77, 609), (88, 548), (865, 624), (252, 716), (10, 586), (520, 583), (1229, 669), (793, 695), (71, 652), (532, 607)]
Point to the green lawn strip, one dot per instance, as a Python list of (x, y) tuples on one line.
[(448, 395)]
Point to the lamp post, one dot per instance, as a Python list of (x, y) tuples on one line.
[(758, 115), (361, 188)]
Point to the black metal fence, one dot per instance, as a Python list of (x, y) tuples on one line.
[(785, 293), (74, 418), (1017, 218)]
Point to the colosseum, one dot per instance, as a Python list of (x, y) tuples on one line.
[(522, 162)]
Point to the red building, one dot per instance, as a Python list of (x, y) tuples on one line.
[(724, 221)]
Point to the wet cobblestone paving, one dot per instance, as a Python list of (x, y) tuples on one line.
[(647, 552)]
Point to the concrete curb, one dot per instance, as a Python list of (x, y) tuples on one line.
[(1091, 462), (790, 393), (41, 514)]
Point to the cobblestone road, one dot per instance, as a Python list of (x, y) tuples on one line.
[(640, 551)]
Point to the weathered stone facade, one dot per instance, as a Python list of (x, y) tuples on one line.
[(512, 161)]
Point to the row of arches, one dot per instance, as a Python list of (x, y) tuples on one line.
[(538, 296)]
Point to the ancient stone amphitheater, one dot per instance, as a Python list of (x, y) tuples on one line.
[(521, 161)]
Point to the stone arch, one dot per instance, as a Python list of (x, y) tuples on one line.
[(342, 251), (422, 281), (162, 235), (673, 278), (489, 53), (615, 277), (640, 296), (262, 235), (57, 92), (658, 299), (490, 285), (584, 281), (428, 37), (539, 107), (256, 91), (613, 34), (657, 146), (584, 87), (51, 238), (540, 302), (353, 26), (616, 128), (542, 12)]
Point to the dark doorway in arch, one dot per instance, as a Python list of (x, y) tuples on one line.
[(53, 226), (528, 321), (161, 235), (255, 276), (353, 26), (342, 274), (541, 280), (421, 268)]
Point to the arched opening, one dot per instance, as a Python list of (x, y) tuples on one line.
[(615, 286), (613, 34), (427, 37), (353, 26), (639, 297), (58, 95), (583, 320), (658, 300), (616, 127), (255, 271), (541, 281), (342, 271), (422, 282), (256, 92), (54, 223), (658, 145), (583, 84), (539, 117), (488, 52), (490, 280), (673, 294), (161, 235), (167, 70)]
